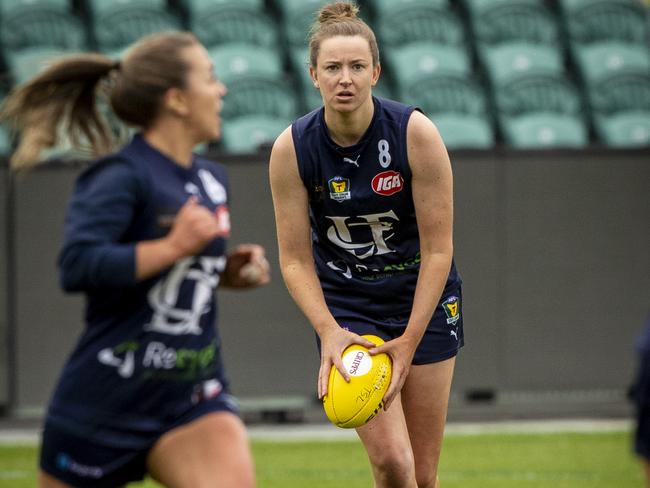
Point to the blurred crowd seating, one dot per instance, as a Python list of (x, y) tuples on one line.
[(530, 74)]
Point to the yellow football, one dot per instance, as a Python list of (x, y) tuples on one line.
[(353, 404)]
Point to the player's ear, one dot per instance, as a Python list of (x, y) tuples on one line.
[(175, 101), (376, 71), (314, 77)]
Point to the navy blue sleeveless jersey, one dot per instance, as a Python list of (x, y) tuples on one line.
[(150, 350), (364, 232)]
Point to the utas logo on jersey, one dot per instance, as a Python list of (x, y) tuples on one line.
[(387, 183), (339, 188)]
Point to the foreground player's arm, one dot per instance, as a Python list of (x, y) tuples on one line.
[(433, 199), (100, 213), (290, 202)]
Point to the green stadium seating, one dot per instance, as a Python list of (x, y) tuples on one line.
[(255, 82), (246, 134), (538, 92), (26, 63), (616, 78), (539, 130), (297, 18), (590, 21), (5, 141), (416, 61), (473, 6), (625, 130), (115, 25), (201, 4), (40, 23), (599, 61), (231, 21), (464, 131), (512, 60), (439, 80), (537, 105), (499, 21), (403, 22), (309, 96), (381, 7), (238, 59)]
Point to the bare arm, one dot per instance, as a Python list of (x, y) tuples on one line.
[(194, 226), (290, 202), (433, 199)]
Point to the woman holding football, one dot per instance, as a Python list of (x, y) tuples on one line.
[(145, 390), (362, 190)]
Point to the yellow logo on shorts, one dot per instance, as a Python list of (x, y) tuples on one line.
[(451, 307)]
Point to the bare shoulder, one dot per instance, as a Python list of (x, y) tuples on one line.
[(283, 145), (283, 155), (425, 146)]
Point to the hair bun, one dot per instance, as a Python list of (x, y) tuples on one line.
[(338, 11)]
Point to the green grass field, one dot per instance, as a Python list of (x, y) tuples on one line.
[(560, 460)]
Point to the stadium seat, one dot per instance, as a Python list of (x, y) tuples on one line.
[(419, 61), (536, 92), (117, 24), (464, 131), (40, 23), (537, 104), (510, 60), (626, 129), (255, 82), (297, 18), (439, 80), (248, 133), (231, 21), (500, 21), (236, 59), (5, 142), (480, 5), (616, 77), (26, 63), (309, 96), (403, 22), (599, 61), (539, 130), (590, 21)]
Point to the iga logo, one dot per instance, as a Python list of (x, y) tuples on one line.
[(387, 183)]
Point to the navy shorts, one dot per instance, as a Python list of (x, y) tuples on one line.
[(85, 463), (442, 339), (641, 395)]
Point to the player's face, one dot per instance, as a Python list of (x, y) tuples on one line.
[(344, 72), (203, 95)]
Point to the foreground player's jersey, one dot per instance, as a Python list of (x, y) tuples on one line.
[(365, 237), (150, 349)]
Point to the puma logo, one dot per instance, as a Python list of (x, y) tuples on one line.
[(352, 161)]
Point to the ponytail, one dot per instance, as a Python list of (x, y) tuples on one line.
[(64, 96), (64, 93)]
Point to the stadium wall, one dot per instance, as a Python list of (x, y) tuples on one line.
[(552, 247)]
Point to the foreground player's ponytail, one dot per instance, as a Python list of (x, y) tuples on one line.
[(61, 101), (340, 19)]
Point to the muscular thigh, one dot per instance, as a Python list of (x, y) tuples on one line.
[(211, 451), (425, 397)]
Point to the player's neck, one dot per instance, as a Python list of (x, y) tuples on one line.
[(178, 149), (347, 128)]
